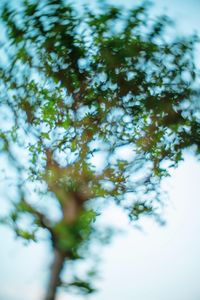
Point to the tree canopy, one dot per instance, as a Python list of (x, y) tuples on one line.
[(95, 103)]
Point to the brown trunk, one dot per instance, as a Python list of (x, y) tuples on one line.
[(56, 269)]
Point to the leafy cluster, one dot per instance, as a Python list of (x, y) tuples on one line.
[(81, 85)]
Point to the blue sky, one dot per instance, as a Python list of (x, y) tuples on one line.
[(157, 263)]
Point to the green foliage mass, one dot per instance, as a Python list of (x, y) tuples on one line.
[(78, 85)]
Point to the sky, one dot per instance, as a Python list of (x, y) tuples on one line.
[(155, 263)]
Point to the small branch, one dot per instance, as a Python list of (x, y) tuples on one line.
[(43, 220)]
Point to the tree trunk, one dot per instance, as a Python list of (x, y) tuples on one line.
[(56, 269)]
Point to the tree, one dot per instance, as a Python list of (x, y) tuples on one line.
[(76, 85)]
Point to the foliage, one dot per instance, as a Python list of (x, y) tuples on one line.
[(81, 85)]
